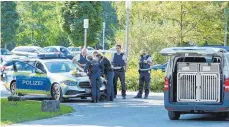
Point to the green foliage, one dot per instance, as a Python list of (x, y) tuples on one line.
[(9, 23), (132, 80), (109, 16), (73, 14), (156, 25), (158, 58), (132, 77), (21, 111), (39, 25)]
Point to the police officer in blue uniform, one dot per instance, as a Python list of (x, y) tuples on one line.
[(119, 63), (144, 71), (93, 70), (107, 71), (81, 59)]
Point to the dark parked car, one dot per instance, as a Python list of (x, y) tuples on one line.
[(58, 50)]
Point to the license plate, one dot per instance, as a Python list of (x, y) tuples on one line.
[(87, 90)]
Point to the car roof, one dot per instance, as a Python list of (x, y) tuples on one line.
[(53, 60), (55, 47), (28, 47), (42, 60)]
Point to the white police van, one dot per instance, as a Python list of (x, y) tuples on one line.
[(197, 81)]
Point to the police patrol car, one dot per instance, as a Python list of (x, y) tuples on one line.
[(59, 78)]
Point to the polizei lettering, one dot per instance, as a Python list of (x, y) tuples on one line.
[(33, 83)]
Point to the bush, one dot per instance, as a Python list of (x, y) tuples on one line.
[(132, 80), (158, 58), (157, 80)]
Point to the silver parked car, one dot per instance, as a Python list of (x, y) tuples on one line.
[(32, 51)]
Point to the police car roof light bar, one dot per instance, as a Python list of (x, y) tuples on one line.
[(51, 56)]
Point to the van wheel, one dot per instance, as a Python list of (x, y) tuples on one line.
[(174, 115), (56, 92), (13, 88)]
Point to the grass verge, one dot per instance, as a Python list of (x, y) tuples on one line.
[(21, 111)]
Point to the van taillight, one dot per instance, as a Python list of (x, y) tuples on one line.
[(166, 84), (226, 85)]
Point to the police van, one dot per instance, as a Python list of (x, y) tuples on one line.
[(197, 81), (50, 74)]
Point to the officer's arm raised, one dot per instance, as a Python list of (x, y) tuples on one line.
[(124, 57), (150, 61)]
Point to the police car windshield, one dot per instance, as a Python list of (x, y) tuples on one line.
[(61, 66)]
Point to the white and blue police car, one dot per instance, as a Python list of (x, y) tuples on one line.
[(51, 75)]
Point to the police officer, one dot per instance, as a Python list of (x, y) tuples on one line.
[(109, 75), (93, 70), (81, 59), (119, 62), (94, 53), (144, 70)]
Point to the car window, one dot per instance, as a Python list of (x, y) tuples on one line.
[(17, 49), (40, 66), (61, 66), (31, 50), (52, 50), (24, 67), (76, 49), (64, 50)]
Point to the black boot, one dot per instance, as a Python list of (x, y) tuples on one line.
[(111, 98), (138, 96)]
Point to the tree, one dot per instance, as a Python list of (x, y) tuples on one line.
[(109, 16), (155, 25), (9, 23), (73, 14), (39, 25)]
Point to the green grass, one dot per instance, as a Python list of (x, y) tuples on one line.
[(21, 111)]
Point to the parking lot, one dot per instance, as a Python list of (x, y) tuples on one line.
[(125, 113)]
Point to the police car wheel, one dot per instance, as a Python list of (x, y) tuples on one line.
[(13, 88), (57, 92), (174, 115)]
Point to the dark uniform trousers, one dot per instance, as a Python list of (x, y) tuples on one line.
[(109, 86), (144, 79), (96, 83), (121, 75)]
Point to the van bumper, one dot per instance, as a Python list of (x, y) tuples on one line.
[(200, 107)]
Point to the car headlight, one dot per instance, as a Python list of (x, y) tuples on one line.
[(69, 83)]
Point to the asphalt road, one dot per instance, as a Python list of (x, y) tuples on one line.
[(125, 113)]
